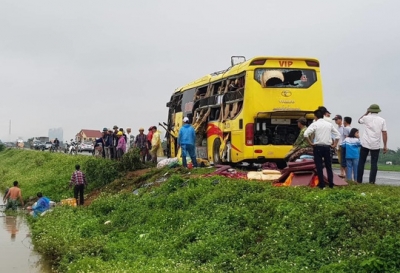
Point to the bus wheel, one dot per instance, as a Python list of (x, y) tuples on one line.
[(216, 146)]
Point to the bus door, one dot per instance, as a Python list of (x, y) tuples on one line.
[(175, 117)]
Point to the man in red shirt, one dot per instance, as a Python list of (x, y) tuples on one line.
[(149, 138), (78, 180)]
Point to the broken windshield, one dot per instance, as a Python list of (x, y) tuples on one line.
[(288, 78)]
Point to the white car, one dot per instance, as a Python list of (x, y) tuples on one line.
[(85, 147)]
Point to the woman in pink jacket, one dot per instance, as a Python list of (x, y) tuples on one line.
[(121, 147)]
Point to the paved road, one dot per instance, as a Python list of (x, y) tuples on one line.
[(382, 178)]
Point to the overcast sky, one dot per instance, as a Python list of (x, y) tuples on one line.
[(94, 64)]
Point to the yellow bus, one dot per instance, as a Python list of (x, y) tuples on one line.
[(248, 112)]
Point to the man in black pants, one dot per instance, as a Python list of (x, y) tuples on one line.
[(78, 180), (375, 132), (323, 132)]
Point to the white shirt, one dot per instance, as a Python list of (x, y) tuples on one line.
[(374, 126), (324, 132), (341, 132), (128, 141)]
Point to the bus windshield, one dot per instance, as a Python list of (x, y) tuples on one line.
[(285, 78)]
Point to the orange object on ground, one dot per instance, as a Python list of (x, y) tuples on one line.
[(69, 202)]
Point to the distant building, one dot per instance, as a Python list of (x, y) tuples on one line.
[(87, 135), (56, 133)]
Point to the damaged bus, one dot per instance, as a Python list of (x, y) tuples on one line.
[(248, 112)]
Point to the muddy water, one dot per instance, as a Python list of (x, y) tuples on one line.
[(16, 249)]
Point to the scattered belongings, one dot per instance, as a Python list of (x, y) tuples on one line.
[(269, 166), (269, 174), (168, 162), (69, 202), (304, 173), (227, 171), (265, 175)]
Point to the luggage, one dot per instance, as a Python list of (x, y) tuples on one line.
[(69, 202)]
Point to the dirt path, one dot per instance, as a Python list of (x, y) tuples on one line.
[(116, 184)]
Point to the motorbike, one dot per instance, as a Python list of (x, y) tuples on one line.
[(66, 147), (73, 148), (53, 148)]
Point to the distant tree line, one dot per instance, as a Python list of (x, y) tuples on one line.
[(391, 155)]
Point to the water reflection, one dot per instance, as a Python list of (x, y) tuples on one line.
[(12, 226), (16, 251)]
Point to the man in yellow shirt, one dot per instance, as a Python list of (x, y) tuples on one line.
[(155, 144)]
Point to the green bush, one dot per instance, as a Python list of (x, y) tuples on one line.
[(130, 161), (230, 226), (99, 172), (2, 147)]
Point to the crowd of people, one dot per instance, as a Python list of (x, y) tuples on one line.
[(116, 142), (325, 135), (113, 145)]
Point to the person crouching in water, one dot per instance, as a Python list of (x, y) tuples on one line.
[(187, 142), (352, 146), (301, 145), (121, 147), (41, 205)]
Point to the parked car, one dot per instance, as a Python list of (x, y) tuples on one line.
[(85, 147), (35, 145), (47, 145)]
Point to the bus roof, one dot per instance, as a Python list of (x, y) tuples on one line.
[(234, 70)]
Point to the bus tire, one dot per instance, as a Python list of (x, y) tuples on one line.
[(216, 156)]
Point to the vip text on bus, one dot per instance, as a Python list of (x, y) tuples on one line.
[(248, 112)]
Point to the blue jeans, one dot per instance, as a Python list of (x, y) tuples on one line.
[(188, 149), (352, 168)]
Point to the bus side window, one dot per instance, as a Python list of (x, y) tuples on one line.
[(214, 115)]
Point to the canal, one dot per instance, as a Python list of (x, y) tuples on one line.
[(16, 252)]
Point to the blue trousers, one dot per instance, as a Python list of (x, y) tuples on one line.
[(188, 149), (352, 168)]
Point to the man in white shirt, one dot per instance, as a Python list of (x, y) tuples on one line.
[(128, 138), (323, 132), (326, 114), (375, 131), (339, 122), (346, 132)]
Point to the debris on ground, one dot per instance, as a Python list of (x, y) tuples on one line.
[(227, 171), (304, 173), (264, 175), (170, 162)]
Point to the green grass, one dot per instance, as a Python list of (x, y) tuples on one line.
[(232, 226), (194, 224), (50, 173), (381, 167)]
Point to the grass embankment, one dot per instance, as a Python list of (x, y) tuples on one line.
[(198, 224), (50, 173)]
